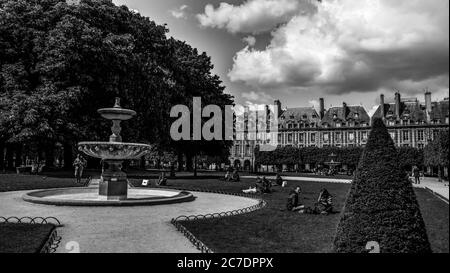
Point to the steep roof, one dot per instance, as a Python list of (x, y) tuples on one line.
[(346, 114), (440, 110), (299, 115), (415, 111)]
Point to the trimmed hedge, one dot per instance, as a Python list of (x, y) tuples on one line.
[(381, 205)]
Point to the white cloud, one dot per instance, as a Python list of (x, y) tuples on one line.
[(315, 104), (249, 40), (257, 96), (349, 45), (253, 16), (180, 13), (372, 111)]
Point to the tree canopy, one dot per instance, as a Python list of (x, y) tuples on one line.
[(59, 63)]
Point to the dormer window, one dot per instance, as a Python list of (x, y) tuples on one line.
[(356, 115), (335, 116), (304, 116), (338, 125), (405, 122)]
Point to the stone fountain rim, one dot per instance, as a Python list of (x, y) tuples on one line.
[(38, 197), (116, 110), (113, 143)]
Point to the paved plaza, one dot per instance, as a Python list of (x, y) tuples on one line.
[(140, 229)]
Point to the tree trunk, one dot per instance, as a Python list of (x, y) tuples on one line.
[(195, 165), (188, 162), (50, 157), (9, 157), (68, 156), (440, 174), (142, 163), (18, 160), (2, 156), (180, 161)]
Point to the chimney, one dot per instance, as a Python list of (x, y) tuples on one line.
[(322, 108), (397, 105), (344, 108), (277, 108), (383, 113), (428, 105)]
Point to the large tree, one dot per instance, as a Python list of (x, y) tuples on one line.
[(59, 63), (381, 206), (436, 152)]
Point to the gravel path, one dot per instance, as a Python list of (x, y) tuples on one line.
[(123, 229)]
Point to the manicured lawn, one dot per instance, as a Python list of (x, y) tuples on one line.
[(23, 238), (18, 182), (435, 214), (271, 229)]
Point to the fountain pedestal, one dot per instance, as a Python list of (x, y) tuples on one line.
[(114, 184)]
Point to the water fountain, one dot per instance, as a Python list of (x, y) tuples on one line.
[(113, 185)]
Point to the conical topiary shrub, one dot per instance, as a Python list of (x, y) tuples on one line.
[(381, 205)]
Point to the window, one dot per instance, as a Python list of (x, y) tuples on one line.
[(405, 135), (364, 136), (279, 138), (391, 123), (420, 146), (301, 137), (356, 115), (326, 137), (338, 125), (405, 122), (290, 138), (351, 136), (420, 135), (313, 137), (338, 137)]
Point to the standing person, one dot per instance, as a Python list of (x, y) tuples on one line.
[(79, 165), (416, 173), (162, 180)]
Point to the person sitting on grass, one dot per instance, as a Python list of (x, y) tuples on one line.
[(293, 203), (162, 180), (235, 176), (279, 180), (227, 176), (324, 202), (263, 185)]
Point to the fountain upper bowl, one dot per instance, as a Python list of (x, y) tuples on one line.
[(116, 113), (114, 150)]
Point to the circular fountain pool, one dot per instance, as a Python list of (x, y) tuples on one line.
[(90, 197)]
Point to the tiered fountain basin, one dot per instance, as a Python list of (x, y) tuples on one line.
[(90, 197), (113, 150)]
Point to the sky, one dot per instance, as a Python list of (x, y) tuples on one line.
[(298, 51)]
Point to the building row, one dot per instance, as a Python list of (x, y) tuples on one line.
[(411, 123)]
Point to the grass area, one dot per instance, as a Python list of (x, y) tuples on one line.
[(435, 213), (18, 182), (271, 229), (23, 238)]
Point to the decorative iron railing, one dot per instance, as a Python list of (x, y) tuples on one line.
[(178, 222), (52, 242)]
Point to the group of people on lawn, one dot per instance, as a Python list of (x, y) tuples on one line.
[(323, 205)]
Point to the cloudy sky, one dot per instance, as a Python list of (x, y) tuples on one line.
[(300, 50)]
